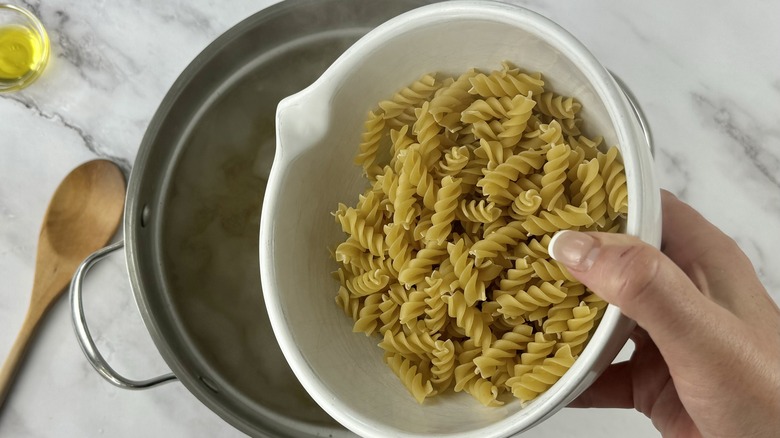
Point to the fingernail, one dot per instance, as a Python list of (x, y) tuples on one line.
[(577, 251)]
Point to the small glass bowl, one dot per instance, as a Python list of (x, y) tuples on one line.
[(15, 16)]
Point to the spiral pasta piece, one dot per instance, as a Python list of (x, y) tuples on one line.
[(403, 207), (499, 241), (390, 309), (484, 391), (554, 176), (536, 350), (368, 283), (590, 146), (478, 211), (471, 320), (579, 327), (350, 304), (454, 161), (551, 270), (472, 172), (571, 126), (595, 302), (543, 376), (493, 151), (494, 226), (365, 262), (516, 278), (349, 250), (387, 183), (371, 138), (559, 314), (535, 297), (418, 267), (414, 344), (499, 84), (400, 109), (531, 137), (436, 317), (448, 274), (414, 165), (399, 141), (360, 231), (489, 270), (516, 120), (614, 181), (592, 191), (576, 158), (444, 210), (427, 189), (468, 275), (443, 364), (503, 350), (557, 106), (413, 380), (569, 217), (368, 317), (464, 137), (428, 133), (551, 133), (496, 181), (535, 248), (527, 203), (501, 376), (370, 207), (421, 226), (449, 101), (465, 370), (486, 109), (398, 245), (412, 308), (483, 130)]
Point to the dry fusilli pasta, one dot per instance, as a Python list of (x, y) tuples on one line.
[(445, 255)]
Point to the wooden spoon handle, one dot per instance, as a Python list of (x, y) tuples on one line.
[(11, 364)]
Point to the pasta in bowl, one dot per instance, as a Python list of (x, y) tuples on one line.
[(428, 226)]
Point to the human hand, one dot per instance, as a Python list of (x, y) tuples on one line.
[(707, 356)]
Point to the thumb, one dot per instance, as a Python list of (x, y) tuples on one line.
[(647, 286)]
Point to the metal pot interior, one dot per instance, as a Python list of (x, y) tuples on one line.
[(194, 202)]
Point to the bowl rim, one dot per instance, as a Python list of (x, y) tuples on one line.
[(626, 129)]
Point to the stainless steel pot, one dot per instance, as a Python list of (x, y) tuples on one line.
[(193, 207)]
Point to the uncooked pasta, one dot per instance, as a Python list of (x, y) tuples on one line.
[(445, 253)]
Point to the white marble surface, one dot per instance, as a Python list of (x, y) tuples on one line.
[(706, 74)]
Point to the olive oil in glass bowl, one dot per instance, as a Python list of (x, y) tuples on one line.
[(24, 48)]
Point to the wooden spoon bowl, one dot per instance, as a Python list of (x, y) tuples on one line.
[(83, 215)]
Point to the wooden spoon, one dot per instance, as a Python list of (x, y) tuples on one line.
[(83, 215)]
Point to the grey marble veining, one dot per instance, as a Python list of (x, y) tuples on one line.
[(706, 74), (759, 145), (58, 118)]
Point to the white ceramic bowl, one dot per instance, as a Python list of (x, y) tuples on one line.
[(318, 131)]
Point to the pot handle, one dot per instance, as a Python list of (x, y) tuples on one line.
[(85, 338)]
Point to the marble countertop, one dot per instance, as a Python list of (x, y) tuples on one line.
[(705, 73)]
